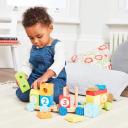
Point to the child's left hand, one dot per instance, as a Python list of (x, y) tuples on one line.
[(36, 84), (44, 78)]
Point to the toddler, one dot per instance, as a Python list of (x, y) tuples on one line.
[(46, 59)]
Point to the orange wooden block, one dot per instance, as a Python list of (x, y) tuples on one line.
[(46, 89), (110, 97), (44, 115), (94, 88)]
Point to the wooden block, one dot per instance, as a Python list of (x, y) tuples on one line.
[(46, 101), (101, 86), (46, 89), (44, 115), (34, 97), (93, 99), (97, 99), (91, 110), (30, 107), (64, 101), (74, 118), (23, 83), (108, 106), (94, 93), (110, 97), (103, 98), (94, 88)]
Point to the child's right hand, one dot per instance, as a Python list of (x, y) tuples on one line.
[(17, 83)]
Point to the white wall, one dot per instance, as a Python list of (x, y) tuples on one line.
[(118, 10), (90, 31), (93, 30)]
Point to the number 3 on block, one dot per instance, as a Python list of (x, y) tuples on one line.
[(64, 101)]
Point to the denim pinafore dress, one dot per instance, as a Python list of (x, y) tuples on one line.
[(41, 59)]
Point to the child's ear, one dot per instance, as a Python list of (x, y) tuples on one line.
[(51, 27)]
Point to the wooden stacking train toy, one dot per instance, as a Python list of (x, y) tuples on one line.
[(43, 98), (97, 97)]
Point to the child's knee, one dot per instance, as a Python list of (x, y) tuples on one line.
[(22, 96)]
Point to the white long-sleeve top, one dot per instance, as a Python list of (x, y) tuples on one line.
[(57, 66)]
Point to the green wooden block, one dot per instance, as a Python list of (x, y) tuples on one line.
[(34, 97), (108, 106), (23, 83)]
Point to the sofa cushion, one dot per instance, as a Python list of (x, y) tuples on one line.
[(84, 76), (100, 56), (119, 58)]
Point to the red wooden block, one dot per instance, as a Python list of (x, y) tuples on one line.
[(64, 101), (94, 93)]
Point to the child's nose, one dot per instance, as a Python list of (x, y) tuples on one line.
[(36, 41)]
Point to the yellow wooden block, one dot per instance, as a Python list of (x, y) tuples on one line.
[(46, 89), (34, 91), (93, 99), (74, 118), (103, 98)]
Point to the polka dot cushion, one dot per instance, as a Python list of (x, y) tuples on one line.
[(99, 56)]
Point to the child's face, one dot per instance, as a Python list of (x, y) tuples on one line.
[(39, 34)]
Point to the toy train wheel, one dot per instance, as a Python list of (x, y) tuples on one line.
[(62, 111), (79, 110)]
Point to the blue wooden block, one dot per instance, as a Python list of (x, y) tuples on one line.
[(46, 101), (91, 110), (101, 86), (30, 107)]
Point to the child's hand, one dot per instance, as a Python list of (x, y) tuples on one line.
[(17, 83), (36, 84), (44, 78)]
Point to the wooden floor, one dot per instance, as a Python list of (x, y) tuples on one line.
[(7, 74)]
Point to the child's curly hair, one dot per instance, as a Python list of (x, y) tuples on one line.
[(36, 15)]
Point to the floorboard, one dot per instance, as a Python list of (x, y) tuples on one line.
[(7, 74)]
